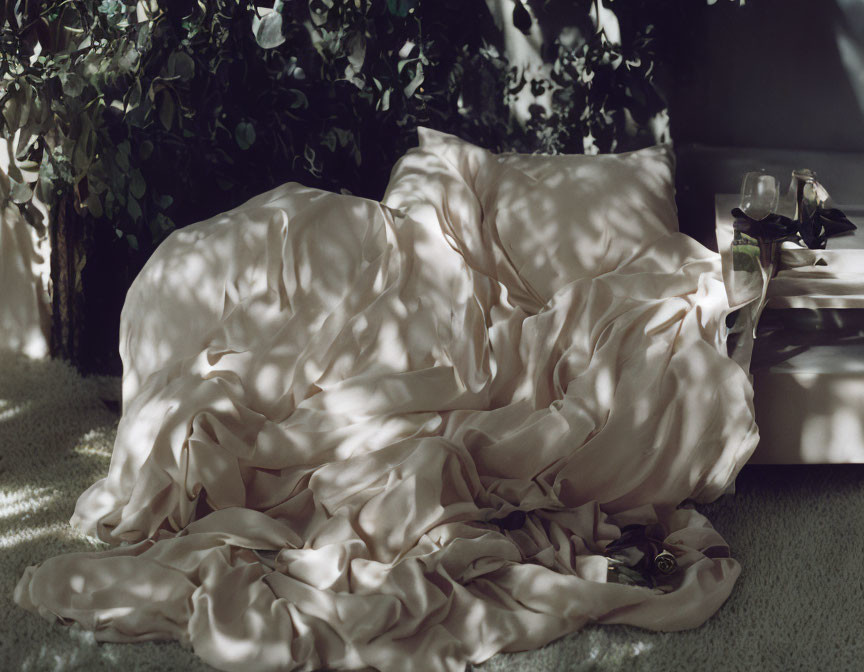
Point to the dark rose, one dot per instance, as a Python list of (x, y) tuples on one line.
[(665, 563)]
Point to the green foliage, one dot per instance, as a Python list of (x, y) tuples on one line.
[(154, 113)]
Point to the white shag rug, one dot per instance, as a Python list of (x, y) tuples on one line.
[(797, 531)]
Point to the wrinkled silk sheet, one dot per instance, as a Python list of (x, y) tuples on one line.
[(325, 405)]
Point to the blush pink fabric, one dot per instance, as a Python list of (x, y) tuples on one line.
[(327, 401)]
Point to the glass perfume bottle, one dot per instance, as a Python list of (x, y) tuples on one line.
[(795, 197)]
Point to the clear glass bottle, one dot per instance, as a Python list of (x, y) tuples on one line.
[(760, 194), (805, 195)]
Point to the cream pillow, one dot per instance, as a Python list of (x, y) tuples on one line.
[(544, 221)]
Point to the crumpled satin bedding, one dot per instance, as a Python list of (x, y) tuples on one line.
[(325, 409)]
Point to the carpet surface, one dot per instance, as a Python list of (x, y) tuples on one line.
[(798, 532)]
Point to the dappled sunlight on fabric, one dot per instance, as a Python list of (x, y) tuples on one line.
[(331, 405)]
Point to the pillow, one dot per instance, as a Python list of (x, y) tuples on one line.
[(538, 222)]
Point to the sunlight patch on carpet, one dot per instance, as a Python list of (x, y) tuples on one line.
[(30, 534), (9, 409), (24, 501)]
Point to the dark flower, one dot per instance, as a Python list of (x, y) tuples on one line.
[(813, 230), (665, 563), (772, 227), (637, 557)]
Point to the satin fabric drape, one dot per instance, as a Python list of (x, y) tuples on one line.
[(328, 403)]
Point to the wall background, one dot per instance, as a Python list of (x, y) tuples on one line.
[(773, 73), (775, 84)]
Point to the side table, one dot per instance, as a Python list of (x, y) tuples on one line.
[(807, 359)]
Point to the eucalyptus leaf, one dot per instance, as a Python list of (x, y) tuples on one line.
[(137, 186), (155, 228), (29, 170), (384, 101), (268, 30), (80, 157), (146, 150), (139, 116), (133, 208), (406, 49), (20, 192), (356, 51), (127, 58), (109, 205), (143, 39), (135, 92), (166, 111), (122, 155), (297, 99), (181, 65), (12, 111), (166, 223), (318, 12), (329, 141), (94, 204), (401, 8), (73, 84), (244, 133), (415, 82)]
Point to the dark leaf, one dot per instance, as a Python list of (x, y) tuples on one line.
[(181, 65), (146, 150), (133, 208), (244, 134), (415, 83), (166, 110), (297, 99), (401, 8), (137, 186)]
